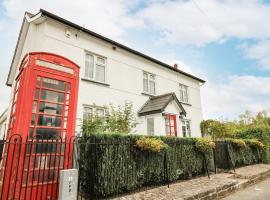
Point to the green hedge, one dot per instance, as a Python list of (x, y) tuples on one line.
[(261, 134), (241, 156), (111, 164)]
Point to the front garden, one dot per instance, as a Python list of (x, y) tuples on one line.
[(117, 163)]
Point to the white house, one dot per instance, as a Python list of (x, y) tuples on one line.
[(166, 100)]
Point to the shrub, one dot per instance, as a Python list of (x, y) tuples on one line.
[(240, 154), (259, 133), (112, 164), (150, 144), (121, 120), (255, 143), (238, 143), (204, 145)]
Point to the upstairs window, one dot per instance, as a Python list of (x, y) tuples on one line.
[(149, 83), (184, 93), (150, 126), (95, 68), (186, 128)]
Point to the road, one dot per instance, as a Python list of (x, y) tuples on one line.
[(260, 191)]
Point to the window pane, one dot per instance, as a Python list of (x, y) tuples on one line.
[(48, 133), (53, 84), (34, 109), (87, 112), (150, 126), (33, 119), (184, 131), (145, 75), (100, 60), (50, 108), (152, 77), (51, 121), (36, 93), (89, 66), (100, 73), (52, 96), (145, 85), (152, 87), (100, 112)]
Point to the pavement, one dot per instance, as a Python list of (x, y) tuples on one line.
[(260, 191), (220, 185)]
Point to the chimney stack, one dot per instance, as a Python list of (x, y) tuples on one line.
[(175, 66)]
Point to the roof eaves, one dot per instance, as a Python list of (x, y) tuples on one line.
[(76, 26)]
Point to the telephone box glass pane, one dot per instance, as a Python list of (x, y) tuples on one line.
[(53, 84), (51, 121), (52, 96), (50, 108)]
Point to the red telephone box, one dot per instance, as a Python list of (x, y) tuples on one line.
[(43, 111)]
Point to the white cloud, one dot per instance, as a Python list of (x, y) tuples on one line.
[(202, 22), (259, 52), (107, 17), (233, 97)]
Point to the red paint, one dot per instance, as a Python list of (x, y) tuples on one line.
[(53, 83), (170, 125)]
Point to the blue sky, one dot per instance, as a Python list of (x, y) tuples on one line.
[(225, 42)]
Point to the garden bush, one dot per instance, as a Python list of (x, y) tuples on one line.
[(241, 151), (262, 134), (113, 164)]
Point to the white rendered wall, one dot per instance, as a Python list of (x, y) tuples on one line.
[(124, 74)]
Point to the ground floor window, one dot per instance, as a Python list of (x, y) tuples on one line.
[(186, 128), (89, 111), (150, 126), (170, 125)]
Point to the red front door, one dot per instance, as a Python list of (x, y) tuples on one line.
[(170, 125), (43, 111)]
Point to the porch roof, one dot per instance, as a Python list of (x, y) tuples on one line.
[(157, 104)]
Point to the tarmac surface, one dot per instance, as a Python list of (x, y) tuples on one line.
[(259, 191)]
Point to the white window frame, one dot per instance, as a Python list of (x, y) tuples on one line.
[(184, 94), (184, 125), (95, 64), (150, 130), (149, 78), (94, 110)]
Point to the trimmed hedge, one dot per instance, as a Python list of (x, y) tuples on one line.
[(261, 134), (111, 164), (240, 155)]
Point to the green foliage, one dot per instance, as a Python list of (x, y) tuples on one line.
[(262, 134), (255, 143), (246, 122), (115, 165), (150, 144), (216, 129), (241, 151), (246, 156), (237, 143), (121, 120), (204, 145)]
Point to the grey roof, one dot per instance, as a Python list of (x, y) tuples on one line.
[(157, 104)]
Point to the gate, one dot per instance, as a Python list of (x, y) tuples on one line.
[(33, 172)]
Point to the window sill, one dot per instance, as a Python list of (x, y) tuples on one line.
[(146, 94), (187, 104), (96, 82)]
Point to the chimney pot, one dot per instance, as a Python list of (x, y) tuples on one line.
[(175, 66)]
